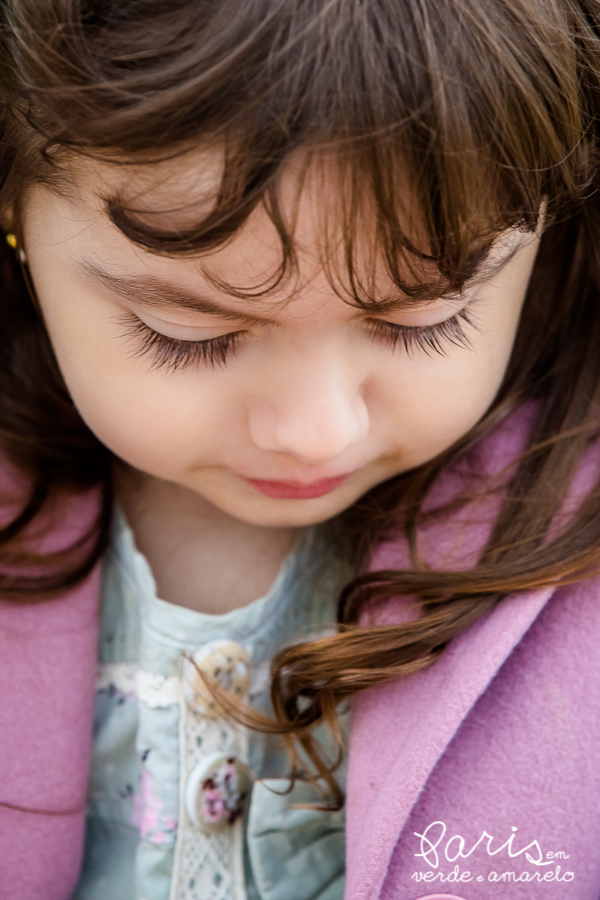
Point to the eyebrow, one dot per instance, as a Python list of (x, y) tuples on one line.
[(159, 294), (155, 292)]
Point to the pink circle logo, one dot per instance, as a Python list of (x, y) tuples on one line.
[(440, 897)]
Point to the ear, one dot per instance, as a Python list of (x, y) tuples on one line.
[(7, 218)]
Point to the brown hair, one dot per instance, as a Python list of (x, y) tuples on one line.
[(486, 108)]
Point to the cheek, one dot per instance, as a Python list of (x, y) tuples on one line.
[(156, 421), (138, 427), (160, 428), (432, 402)]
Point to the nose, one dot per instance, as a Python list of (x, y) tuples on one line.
[(315, 415)]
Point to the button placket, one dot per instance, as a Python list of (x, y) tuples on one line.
[(214, 778)]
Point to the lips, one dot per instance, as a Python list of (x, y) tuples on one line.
[(289, 490)]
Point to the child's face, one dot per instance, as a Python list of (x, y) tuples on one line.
[(312, 407)]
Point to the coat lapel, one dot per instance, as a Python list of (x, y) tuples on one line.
[(400, 730)]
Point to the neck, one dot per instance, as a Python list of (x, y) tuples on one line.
[(200, 556)]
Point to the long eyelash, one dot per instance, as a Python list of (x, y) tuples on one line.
[(429, 338), (173, 354)]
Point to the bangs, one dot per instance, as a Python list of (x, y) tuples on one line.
[(450, 121), (378, 236)]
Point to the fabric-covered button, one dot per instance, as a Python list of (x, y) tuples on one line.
[(225, 662), (440, 897), (216, 791)]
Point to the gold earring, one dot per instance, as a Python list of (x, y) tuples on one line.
[(11, 240)]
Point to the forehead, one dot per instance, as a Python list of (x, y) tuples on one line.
[(175, 194), (313, 190), (175, 190)]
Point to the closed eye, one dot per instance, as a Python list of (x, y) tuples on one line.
[(173, 353), (430, 339)]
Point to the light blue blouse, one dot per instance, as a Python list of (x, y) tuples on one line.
[(140, 843)]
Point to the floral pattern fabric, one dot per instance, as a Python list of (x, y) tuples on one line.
[(140, 844)]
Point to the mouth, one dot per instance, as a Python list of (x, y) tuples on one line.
[(290, 490)]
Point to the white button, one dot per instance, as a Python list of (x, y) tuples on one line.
[(225, 662), (216, 791)]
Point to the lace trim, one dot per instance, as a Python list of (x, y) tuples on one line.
[(155, 690), (158, 690), (120, 675), (207, 865)]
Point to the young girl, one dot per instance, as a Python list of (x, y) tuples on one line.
[(300, 390)]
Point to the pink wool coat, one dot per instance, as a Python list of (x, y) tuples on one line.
[(478, 778)]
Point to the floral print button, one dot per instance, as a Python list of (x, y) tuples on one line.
[(226, 663), (216, 792)]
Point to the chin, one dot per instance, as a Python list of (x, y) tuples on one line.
[(270, 513)]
